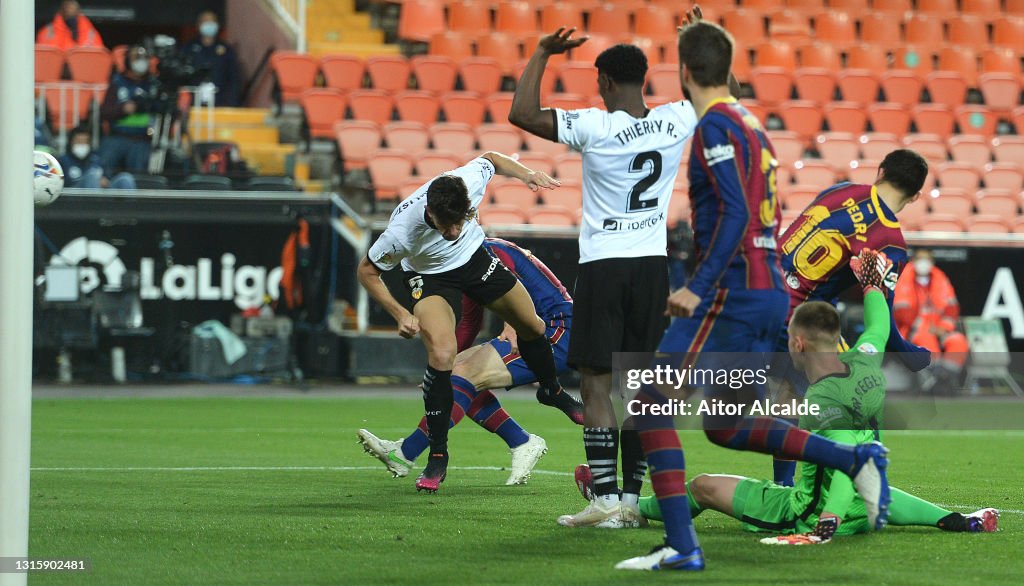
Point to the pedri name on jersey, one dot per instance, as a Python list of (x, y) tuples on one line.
[(644, 127)]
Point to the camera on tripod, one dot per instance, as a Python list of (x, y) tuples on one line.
[(175, 70)]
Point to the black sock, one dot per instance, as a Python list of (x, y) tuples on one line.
[(634, 465), (602, 447), (953, 522), (437, 402), (537, 355)]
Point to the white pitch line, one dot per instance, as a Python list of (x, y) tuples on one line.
[(259, 469)]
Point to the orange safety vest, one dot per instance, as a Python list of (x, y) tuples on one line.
[(917, 307), (58, 34)]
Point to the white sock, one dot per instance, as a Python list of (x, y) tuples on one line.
[(608, 500), (631, 500)]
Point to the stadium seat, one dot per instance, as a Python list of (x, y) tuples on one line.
[(789, 26), (588, 52), (758, 110), (933, 119), (434, 163), (864, 171), (936, 7), (417, 106), (1008, 149), (569, 195), (551, 216), (270, 183), (976, 120), (875, 146), (960, 60), (923, 29), (580, 78), (986, 224), (872, 58), (891, 7), (664, 81), (942, 223), (295, 72), (611, 18), (746, 26), (846, 117), (740, 64), (389, 170), (75, 106), (947, 88), (1008, 176), (515, 193), (145, 181), (435, 74), (838, 148), (958, 176), (881, 29), (836, 29), (207, 183), (566, 102), (501, 47), (967, 31), (951, 200), (538, 162), (997, 202), (815, 84), (801, 117), (797, 197), (859, 86), (481, 75), (561, 14), (498, 106), (819, 55), (783, 177), (913, 214), (49, 63), (930, 146), (811, 172), (453, 137), (517, 18), (465, 107), (1014, 7), (891, 118), (789, 146), (343, 72), (772, 85), (323, 108), (411, 137), (775, 54), (916, 59), (389, 72), (1009, 33), (1017, 115), (537, 144), (455, 45), (1000, 90), (1018, 225), (419, 20), (548, 82), (503, 138), (373, 105), (655, 22), (999, 60), (971, 149), (901, 87), (569, 167), (469, 16), (500, 215), (89, 64)]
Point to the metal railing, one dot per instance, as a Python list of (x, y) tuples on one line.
[(293, 13), (64, 111)]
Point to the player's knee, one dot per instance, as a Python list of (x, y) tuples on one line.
[(442, 357), (701, 488), (531, 329), (718, 436)]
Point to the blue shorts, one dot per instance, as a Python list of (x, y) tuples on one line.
[(557, 333)]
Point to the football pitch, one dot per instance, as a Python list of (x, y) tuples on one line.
[(276, 490)]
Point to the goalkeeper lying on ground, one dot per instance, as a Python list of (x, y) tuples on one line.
[(850, 390)]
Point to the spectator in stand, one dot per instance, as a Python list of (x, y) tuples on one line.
[(926, 312), (69, 28), (208, 53), (128, 110), (82, 166)]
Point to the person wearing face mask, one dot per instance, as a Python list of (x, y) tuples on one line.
[(208, 53), (926, 312), (69, 28), (126, 110), (82, 166)]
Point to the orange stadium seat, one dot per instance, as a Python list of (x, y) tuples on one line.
[(772, 85), (537, 144), (875, 145), (551, 216), (835, 28), (569, 195), (566, 102), (1006, 176), (434, 73), (952, 200), (498, 106), (516, 194), (976, 120), (1018, 226), (389, 170), (1014, 7), (499, 215), (999, 60), (801, 117), (1000, 90), (49, 63), (937, 7), (933, 119), (75, 106), (432, 164), (814, 84), (783, 176), (466, 107), (970, 149), (411, 137), (538, 162), (922, 29), (373, 105), (891, 118), (901, 87), (417, 106), (930, 146), (1008, 149), (389, 72), (789, 26), (740, 65), (810, 172), (761, 5), (960, 60), (967, 31), (561, 14), (343, 72), (758, 110), (982, 224), (806, 5), (746, 26), (797, 197), (858, 86), (295, 72), (503, 138), (880, 29), (774, 54), (789, 146), (838, 148), (864, 172), (846, 117), (819, 55), (588, 52), (947, 88), (323, 107), (481, 75), (453, 137), (664, 81), (569, 167), (469, 16), (892, 7), (655, 22), (357, 141), (999, 202), (872, 58), (501, 47), (942, 223), (610, 19), (580, 78), (419, 20), (1009, 32), (518, 18), (89, 64), (455, 45), (1018, 119), (958, 176), (916, 59), (913, 214)]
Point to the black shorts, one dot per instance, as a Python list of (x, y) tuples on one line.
[(618, 306), (483, 279)]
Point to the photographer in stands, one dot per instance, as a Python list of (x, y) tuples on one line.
[(69, 28), (128, 112), (208, 53)]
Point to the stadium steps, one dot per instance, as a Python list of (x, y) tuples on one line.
[(267, 159)]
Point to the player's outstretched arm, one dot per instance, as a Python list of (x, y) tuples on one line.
[(369, 278), (526, 112), (509, 167), (871, 269)]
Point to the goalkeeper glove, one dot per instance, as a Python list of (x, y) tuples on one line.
[(871, 268), (823, 532)]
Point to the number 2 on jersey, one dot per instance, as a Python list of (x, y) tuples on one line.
[(639, 165)]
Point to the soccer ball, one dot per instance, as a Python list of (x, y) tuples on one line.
[(49, 178)]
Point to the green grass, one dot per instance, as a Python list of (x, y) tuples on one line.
[(358, 526)]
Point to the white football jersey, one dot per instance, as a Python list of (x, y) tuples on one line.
[(629, 170), (410, 240)]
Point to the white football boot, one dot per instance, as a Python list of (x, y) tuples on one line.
[(524, 458), (388, 452)]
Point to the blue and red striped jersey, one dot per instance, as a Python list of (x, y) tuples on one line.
[(733, 202)]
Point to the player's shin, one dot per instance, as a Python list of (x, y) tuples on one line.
[(487, 412), (601, 445), (416, 442), (668, 478), (437, 402), (538, 356), (634, 468)]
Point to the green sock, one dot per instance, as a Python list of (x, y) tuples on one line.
[(650, 510), (907, 509)]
